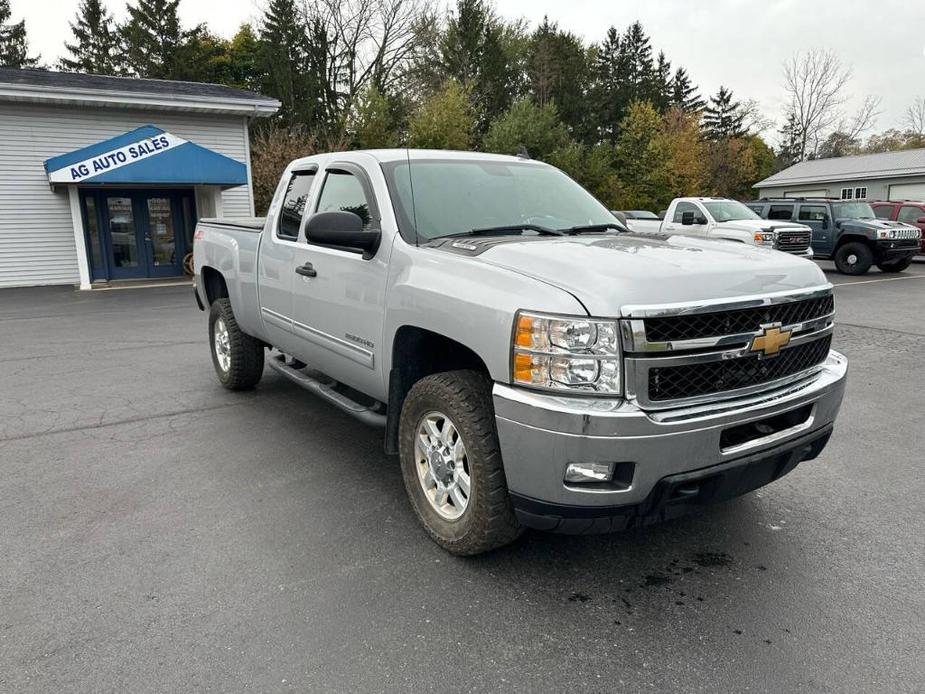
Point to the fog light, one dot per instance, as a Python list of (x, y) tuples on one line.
[(589, 472)]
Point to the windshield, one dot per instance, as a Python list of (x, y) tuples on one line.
[(852, 210), (457, 196), (729, 211)]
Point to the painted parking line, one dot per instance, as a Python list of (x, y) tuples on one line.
[(884, 279)]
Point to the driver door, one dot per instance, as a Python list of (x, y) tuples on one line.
[(338, 298)]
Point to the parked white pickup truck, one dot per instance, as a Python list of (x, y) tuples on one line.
[(719, 218)]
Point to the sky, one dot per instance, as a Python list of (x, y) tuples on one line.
[(740, 44)]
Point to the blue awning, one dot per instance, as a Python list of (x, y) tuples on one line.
[(147, 155)]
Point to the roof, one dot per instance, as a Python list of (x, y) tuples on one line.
[(76, 87), (908, 162), (146, 155), (384, 156)]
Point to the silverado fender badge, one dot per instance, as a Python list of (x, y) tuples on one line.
[(770, 340)]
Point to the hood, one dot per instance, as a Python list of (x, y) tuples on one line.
[(609, 272), (873, 224), (759, 224)]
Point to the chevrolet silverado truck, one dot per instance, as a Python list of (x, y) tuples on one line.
[(848, 232), (719, 218), (531, 361)]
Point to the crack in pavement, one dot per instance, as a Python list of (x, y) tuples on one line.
[(877, 327), (119, 422)]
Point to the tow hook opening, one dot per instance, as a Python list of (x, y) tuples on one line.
[(742, 434)]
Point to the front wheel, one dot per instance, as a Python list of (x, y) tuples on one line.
[(896, 265), (451, 463), (853, 258), (237, 357)]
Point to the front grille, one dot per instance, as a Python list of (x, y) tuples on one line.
[(793, 241), (906, 234), (697, 325), (691, 380)]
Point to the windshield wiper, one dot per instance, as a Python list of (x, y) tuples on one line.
[(591, 228), (503, 230)]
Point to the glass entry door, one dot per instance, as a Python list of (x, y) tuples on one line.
[(137, 233)]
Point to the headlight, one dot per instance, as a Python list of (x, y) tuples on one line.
[(886, 233), (765, 238), (566, 353)]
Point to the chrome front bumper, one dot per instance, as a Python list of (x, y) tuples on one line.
[(540, 434)]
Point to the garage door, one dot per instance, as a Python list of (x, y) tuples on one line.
[(806, 194), (907, 191)]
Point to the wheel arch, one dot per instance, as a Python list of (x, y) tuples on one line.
[(214, 284), (417, 353)]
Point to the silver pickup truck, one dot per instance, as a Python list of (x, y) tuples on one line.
[(532, 362)]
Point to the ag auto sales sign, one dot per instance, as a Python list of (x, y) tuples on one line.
[(115, 159)]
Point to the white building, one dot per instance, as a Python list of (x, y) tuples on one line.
[(103, 178)]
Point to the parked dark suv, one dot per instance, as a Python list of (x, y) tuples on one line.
[(905, 211), (848, 232)]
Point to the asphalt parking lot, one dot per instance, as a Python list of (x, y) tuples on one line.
[(158, 533)]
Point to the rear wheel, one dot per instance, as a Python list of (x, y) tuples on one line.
[(853, 258), (895, 266), (451, 463), (237, 357)]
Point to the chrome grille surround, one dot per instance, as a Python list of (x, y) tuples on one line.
[(643, 356), (793, 240)]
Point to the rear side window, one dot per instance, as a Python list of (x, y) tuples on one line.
[(343, 191), (909, 214), (780, 212), (883, 211), (295, 203), (813, 213)]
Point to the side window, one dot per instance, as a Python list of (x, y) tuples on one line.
[(683, 207), (909, 214), (812, 213), (883, 211), (757, 209), (295, 202), (780, 212), (342, 191)]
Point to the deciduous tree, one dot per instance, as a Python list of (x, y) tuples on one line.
[(444, 121)]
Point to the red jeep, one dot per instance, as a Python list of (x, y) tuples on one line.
[(907, 211)]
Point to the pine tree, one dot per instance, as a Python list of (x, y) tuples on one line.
[(637, 51), (96, 44), (684, 94), (723, 118), (292, 64), (14, 47), (557, 70), (156, 45), (606, 104), (661, 89), (479, 50)]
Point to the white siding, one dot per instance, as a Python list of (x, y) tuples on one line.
[(36, 234)]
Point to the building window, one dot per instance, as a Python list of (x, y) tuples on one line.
[(847, 193), (860, 193)]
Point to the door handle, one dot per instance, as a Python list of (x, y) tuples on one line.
[(306, 270)]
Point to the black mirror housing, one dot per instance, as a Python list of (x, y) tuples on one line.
[(342, 230), (687, 218)]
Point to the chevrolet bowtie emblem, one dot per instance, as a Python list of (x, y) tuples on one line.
[(770, 340)]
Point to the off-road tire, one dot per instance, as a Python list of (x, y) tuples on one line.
[(246, 352), (488, 521), (863, 254), (895, 266)]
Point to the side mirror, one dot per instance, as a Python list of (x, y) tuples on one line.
[(687, 218), (920, 220), (825, 222), (342, 230)]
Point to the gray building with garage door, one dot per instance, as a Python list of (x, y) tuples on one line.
[(885, 176), (102, 179)]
